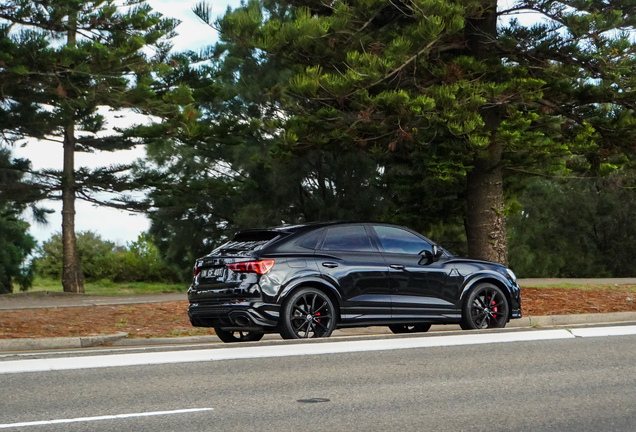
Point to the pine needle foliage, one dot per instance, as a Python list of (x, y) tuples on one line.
[(462, 87), (209, 162), (15, 242), (60, 60)]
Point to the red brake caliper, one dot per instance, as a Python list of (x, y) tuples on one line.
[(318, 314), (494, 309)]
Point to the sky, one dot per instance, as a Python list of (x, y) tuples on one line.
[(115, 225)]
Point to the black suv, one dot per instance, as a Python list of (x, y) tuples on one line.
[(307, 280)]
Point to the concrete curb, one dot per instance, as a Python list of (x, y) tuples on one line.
[(32, 344), (574, 319)]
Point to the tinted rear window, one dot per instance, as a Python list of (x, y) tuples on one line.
[(250, 236), (246, 242)]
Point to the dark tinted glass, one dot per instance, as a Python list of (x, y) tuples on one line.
[(246, 241), (247, 236), (396, 240), (347, 238), (310, 240)]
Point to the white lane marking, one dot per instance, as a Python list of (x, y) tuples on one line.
[(106, 417), (139, 359), (605, 331)]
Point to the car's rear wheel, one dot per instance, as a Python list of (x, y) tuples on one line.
[(238, 336), (307, 313), (485, 307), (417, 328)]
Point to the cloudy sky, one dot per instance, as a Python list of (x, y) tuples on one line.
[(111, 224)]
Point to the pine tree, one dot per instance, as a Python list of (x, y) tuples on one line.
[(209, 162), (456, 85), (17, 243), (59, 61)]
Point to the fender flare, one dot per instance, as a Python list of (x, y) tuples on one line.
[(309, 280), (486, 275)]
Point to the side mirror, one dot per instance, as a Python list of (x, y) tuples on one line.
[(437, 252), (431, 256)]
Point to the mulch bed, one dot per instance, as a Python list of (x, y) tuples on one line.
[(171, 320), (553, 301), (138, 320)]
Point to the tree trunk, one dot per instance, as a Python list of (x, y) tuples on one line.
[(72, 277), (6, 286), (485, 220)]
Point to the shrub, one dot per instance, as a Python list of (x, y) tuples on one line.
[(15, 245), (139, 261)]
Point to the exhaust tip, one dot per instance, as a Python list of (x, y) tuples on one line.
[(241, 320)]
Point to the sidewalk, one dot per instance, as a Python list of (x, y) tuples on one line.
[(50, 299)]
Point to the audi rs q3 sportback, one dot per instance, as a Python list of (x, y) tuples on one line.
[(305, 281)]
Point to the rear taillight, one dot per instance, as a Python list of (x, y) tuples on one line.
[(260, 267), (197, 269)]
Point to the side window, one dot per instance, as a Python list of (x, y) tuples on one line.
[(310, 240), (347, 238), (396, 240)]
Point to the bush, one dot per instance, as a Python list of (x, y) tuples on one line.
[(580, 229), (139, 261), (15, 246)]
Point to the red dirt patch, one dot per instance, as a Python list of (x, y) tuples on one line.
[(138, 320), (171, 320), (553, 301)]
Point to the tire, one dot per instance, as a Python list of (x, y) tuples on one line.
[(417, 328), (486, 307), (307, 313), (238, 336)]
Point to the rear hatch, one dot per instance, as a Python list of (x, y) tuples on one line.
[(233, 270)]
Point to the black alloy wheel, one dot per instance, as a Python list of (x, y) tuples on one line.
[(307, 313), (417, 328), (238, 336), (486, 307)]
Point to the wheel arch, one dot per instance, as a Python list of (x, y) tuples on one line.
[(492, 278), (330, 290)]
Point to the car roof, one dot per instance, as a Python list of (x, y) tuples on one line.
[(317, 225)]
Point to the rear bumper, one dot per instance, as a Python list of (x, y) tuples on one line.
[(234, 314)]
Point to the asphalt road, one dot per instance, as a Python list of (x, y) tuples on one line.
[(578, 384)]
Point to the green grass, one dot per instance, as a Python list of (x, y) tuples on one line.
[(586, 287), (106, 287)]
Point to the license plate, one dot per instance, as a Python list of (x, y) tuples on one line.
[(212, 273)]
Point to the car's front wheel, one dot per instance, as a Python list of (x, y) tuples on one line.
[(307, 313), (485, 307), (417, 328), (238, 336)]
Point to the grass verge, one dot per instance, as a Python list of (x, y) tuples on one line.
[(107, 287)]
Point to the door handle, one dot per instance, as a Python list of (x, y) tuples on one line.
[(397, 266), (330, 264)]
